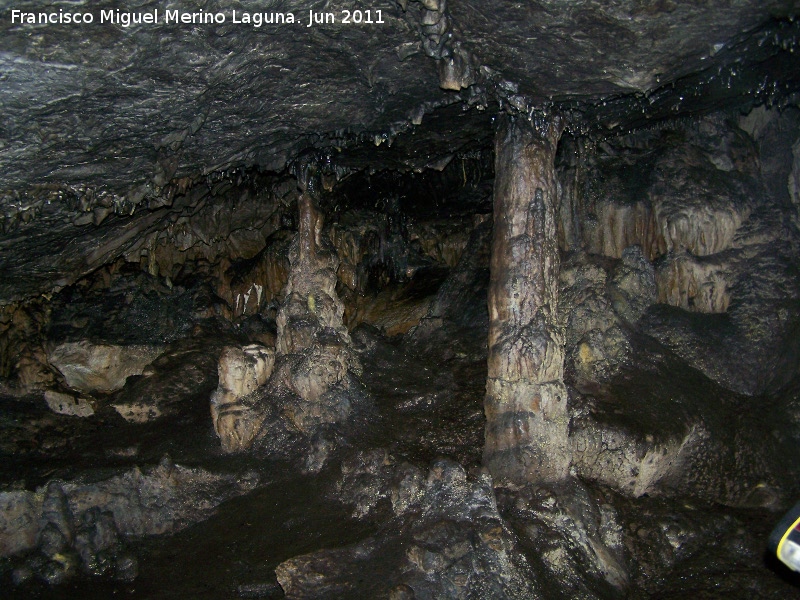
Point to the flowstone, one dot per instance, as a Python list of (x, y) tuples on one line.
[(241, 372)]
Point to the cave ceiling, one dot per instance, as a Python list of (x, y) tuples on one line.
[(108, 114)]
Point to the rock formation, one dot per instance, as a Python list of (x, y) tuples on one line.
[(241, 372), (526, 401), (74, 526), (309, 386), (100, 368), (447, 540)]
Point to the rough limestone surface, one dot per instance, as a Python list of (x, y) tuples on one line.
[(459, 304), (100, 195), (89, 367), (64, 527), (703, 203), (182, 375), (633, 285), (410, 55), (250, 285), (318, 365), (695, 283), (594, 304), (526, 401), (446, 540), (752, 345), (645, 425), (241, 372), (18, 521), (67, 404), (660, 428), (577, 538), (793, 183), (633, 464), (690, 196), (312, 305)]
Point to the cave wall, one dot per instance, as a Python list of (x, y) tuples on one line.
[(554, 242), (220, 251), (708, 203)]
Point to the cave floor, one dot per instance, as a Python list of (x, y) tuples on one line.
[(429, 404)]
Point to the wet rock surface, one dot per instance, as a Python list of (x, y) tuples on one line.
[(446, 541), (67, 404), (410, 93), (175, 381), (309, 383), (384, 75), (67, 527), (402, 525), (526, 422), (241, 372)]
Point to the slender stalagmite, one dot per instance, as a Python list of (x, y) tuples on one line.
[(526, 416)]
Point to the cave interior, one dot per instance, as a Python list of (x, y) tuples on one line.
[(483, 300)]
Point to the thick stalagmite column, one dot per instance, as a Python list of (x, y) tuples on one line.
[(311, 306), (315, 360), (526, 401), (306, 384)]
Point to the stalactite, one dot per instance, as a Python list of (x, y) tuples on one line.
[(526, 430)]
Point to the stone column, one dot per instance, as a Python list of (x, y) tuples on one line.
[(316, 361), (311, 306), (306, 385), (526, 401)]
